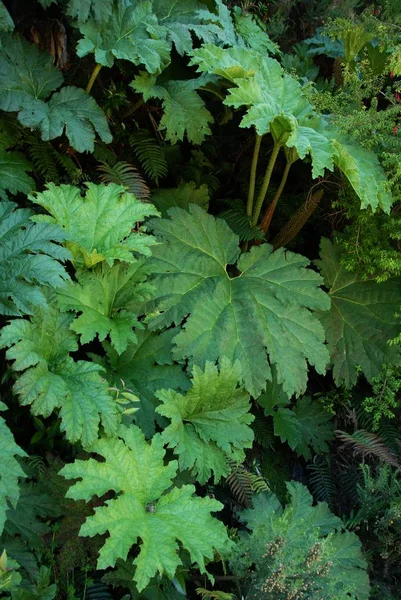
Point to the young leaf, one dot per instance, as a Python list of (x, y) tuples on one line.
[(264, 312), (105, 297), (10, 471), (210, 424), (99, 226), (185, 112), (29, 255), (52, 380), (143, 508), (181, 196), (361, 320), (145, 367)]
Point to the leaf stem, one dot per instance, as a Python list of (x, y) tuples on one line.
[(92, 78), (265, 184), (133, 108), (252, 179), (267, 217)]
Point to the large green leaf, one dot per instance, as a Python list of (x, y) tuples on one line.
[(27, 77), (302, 547), (145, 367), (99, 226), (13, 173), (10, 470), (143, 508), (6, 22), (181, 196), (30, 257), (210, 423), (106, 297), (131, 33), (71, 110), (52, 380), (265, 312), (361, 321), (185, 112), (82, 10)]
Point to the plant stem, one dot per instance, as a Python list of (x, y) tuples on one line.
[(265, 184), (92, 78), (134, 107), (267, 217), (252, 179)]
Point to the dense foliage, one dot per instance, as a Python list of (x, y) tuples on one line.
[(200, 298)]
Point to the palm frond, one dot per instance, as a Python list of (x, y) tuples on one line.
[(150, 154), (127, 175)]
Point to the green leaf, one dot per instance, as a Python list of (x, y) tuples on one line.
[(252, 34), (181, 196), (130, 33), (264, 312), (26, 74), (52, 380), (71, 110), (185, 112), (10, 469), (82, 10), (145, 367), (146, 507), (302, 546), (13, 173), (6, 22), (98, 225), (106, 297), (361, 320), (210, 423), (27, 77), (29, 258)]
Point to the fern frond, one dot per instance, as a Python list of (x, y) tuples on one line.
[(213, 594), (258, 483), (322, 480), (98, 591), (367, 443), (239, 222), (127, 175), (263, 430), (240, 484), (150, 154), (42, 154)]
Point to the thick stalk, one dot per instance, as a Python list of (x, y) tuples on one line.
[(267, 217), (252, 179), (92, 78), (265, 184)]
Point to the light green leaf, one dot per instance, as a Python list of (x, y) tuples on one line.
[(361, 320), (131, 33), (29, 258), (13, 173), (181, 196), (105, 297), (10, 471), (98, 225), (145, 367), (210, 424), (252, 34), (144, 510), (185, 112), (52, 380), (265, 312)]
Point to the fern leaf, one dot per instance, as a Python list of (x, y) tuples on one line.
[(42, 155), (127, 175), (240, 224), (322, 481), (150, 154), (240, 484), (364, 442)]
